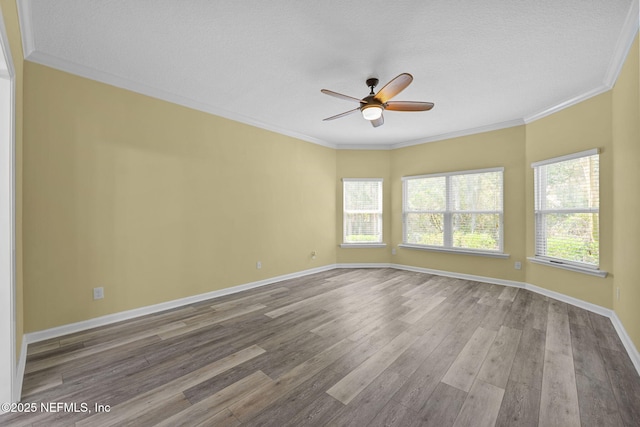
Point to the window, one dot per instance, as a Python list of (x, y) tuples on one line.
[(567, 210), (459, 211), (362, 214)]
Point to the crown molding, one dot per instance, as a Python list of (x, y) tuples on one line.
[(624, 42), (619, 56), (459, 133), (26, 27), (381, 147), (566, 104), (153, 92), (440, 137), (117, 81)]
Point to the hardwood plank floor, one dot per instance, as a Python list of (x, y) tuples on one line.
[(359, 347)]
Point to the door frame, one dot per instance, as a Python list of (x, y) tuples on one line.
[(9, 391)]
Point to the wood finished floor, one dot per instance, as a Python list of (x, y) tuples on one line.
[(374, 347)]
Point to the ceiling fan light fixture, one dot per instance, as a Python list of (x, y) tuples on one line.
[(371, 112), (372, 105)]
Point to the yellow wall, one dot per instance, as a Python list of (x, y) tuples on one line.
[(506, 148), (364, 164), (626, 194), (10, 14), (155, 202), (581, 127)]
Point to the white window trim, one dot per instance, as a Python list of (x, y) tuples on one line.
[(577, 267), (566, 265), (361, 245), (447, 213), (465, 251), (566, 157), (466, 172), (10, 383)]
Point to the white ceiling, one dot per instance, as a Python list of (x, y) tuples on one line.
[(485, 65)]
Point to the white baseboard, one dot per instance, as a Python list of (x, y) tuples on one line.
[(533, 288), (606, 312), (634, 355), (464, 276), (626, 341), (34, 337), (71, 328), (364, 265), (22, 362)]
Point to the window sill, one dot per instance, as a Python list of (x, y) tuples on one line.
[(570, 267), (363, 245), (455, 251)]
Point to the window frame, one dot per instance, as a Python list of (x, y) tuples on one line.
[(448, 213), (378, 212), (540, 210)]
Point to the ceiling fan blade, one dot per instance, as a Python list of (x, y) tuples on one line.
[(339, 95), (394, 87), (377, 122), (346, 113), (408, 106)]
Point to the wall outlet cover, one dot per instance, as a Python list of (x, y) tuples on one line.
[(98, 293)]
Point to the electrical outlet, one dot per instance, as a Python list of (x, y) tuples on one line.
[(393, 251), (259, 265), (313, 254), (98, 293), (517, 265)]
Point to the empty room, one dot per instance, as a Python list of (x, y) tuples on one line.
[(286, 213)]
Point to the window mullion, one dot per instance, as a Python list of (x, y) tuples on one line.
[(448, 216), (404, 211), (432, 204)]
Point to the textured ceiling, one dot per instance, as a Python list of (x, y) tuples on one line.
[(485, 65)]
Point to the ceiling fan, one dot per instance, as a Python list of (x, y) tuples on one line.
[(372, 105)]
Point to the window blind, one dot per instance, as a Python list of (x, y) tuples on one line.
[(459, 210), (362, 214), (567, 204)]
